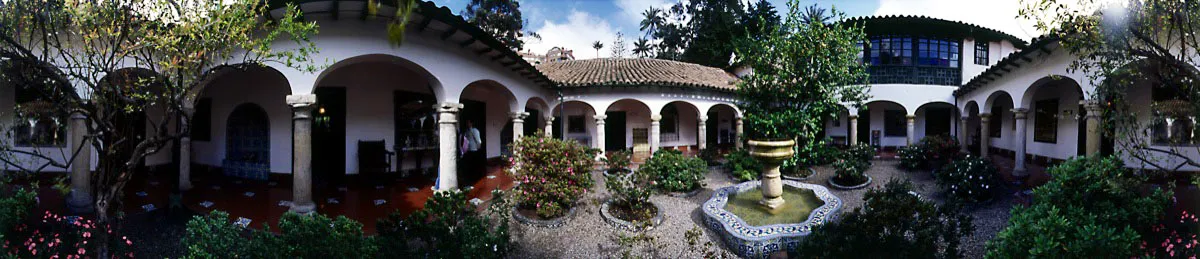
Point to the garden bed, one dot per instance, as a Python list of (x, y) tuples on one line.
[(625, 219), (530, 217), (834, 182)]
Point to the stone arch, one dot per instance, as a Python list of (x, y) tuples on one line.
[(1057, 81), (434, 84), (219, 72), (1001, 96), (487, 87)]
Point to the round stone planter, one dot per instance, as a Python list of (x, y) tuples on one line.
[(751, 241), (843, 187), (685, 194), (544, 223), (811, 173), (627, 225), (626, 174)]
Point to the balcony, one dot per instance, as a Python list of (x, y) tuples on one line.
[(922, 75)]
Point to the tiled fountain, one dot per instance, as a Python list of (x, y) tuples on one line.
[(782, 228)]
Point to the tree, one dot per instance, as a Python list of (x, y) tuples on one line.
[(501, 18), (642, 48), (715, 29), (1120, 43), (112, 60), (816, 14), (803, 73), (618, 48), (597, 45), (651, 19)]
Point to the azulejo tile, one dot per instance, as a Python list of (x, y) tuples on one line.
[(761, 241)]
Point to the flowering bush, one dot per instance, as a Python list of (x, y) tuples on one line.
[(15, 204), (1093, 208), (742, 166), (808, 155), (301, 236), (852, 165), (1175, 237), (969, 179), (673, 172), (553, 174), (710, 155), (55, 236), (448, 227), (618, 161), (631, 195), (930, 152)]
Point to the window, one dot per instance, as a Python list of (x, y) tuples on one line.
[(937, 52), (1045, 121), (38, 124), (894, 124), (837, 121), (891, 50), (997, 119), (670, 120), (575, 124), (981, 52), (861, 52), (201, 128)]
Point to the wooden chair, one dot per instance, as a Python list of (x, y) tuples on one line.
[(374, 158)]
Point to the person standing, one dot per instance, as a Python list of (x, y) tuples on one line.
[(471, 163)]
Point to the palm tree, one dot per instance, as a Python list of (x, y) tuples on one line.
[(641, 48), (652, 20), (597, 45), (815, 14)]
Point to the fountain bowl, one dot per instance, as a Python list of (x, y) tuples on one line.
[(751, 241)]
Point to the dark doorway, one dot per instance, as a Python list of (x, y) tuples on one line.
[(937, 121), (472, 166), (711, 132), (614, 131), (415, 127), (532, 121), (329, 136), (864, 127), (248, 143)]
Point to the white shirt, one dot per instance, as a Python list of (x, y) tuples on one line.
[(473, 140)]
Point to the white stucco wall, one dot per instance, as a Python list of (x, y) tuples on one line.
[(259, 87), (635, 101)]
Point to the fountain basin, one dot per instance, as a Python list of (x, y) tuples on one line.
[(753, 241)]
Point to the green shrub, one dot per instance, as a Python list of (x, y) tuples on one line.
[(448, 227), (930, 152), (970, 179), (673, 172), (1093, 207), (808, 154), (631, 194), (15, 204), (912, 157), (618, 161), (742, 166), (852, 165), (554, 174), (893, 223), (710, 155), (302, 236)]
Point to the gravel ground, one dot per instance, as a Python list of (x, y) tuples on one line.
[(588, 236)]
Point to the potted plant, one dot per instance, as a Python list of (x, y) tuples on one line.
[(669, 170), (617, 163), (802, 74), (552, 175), (851, 167), (629, 207)]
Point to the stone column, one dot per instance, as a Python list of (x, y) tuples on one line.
[(963, 134), (518, 120), (1093, 127), (447, 146), (702, 133), (737, 132), (599, 139), (911, 129), (302, 106), (549, 131), (80, 199), (1019, 117), (185, 152), (853, 130), (654, 131), (984, 136)]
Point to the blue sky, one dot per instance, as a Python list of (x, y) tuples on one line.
[(575, 24)]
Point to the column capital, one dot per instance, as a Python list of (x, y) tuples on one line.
[(655, 117), (985, 115), (964, 118), (910, 117), (600, 117), (853, 116), (518, 115), (448, 107), (550, 118), (1020, 113), (78, 114), (703, 118), (301, 101), (1092, 107)]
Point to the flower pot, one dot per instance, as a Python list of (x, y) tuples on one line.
[(850, 187), (543, 223), (607, 209), (811, 174), (772, 153)]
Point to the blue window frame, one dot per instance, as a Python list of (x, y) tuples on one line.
[(891, 50), (937, 52)]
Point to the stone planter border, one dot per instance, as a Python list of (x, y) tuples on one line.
[(811, 174), (630, 226), (544, 223), (750, 241), (606, 174), (843, 187), (685, 194)]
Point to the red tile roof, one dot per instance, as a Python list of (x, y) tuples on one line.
[(636, 72)]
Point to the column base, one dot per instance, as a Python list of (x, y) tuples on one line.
[(772, 203), (185, 185), (1020, 172), (80, 203), (303, 208)]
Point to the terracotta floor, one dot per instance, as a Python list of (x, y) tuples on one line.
[(266, 201)]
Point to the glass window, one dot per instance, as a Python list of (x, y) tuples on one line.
[(1045, 121), (981, 52), (894, 124), (670, 120), (891, 50), (38, 123), (937, 52)]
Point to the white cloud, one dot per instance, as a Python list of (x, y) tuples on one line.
[(578, 33), (631, 10), (1000, 15)]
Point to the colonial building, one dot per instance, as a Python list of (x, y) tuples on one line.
[(382, 109)]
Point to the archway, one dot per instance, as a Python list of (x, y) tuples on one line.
[(935, 119), (577, 118), (883, 124), (973, 127), (721, 131), (679, 127), (537, 110), (1001, 126), (262, 86), (627, 125), (486, 108), (1052, 104), (248, 143), (381, 87)]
